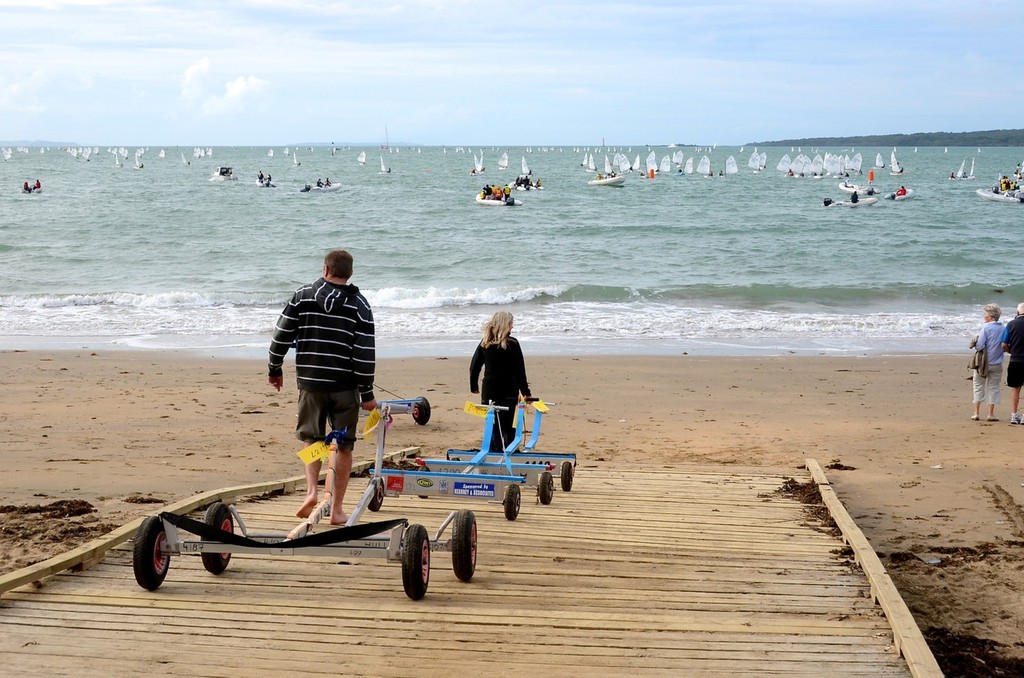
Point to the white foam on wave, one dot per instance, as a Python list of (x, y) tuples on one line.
[(582, 321), (436, 297)]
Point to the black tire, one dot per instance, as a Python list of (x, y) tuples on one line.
[(149, 563), (377, 500), (415, 561), (546, 488), (218, 515), (464, 544), (421, 411), (512, 501), (567, 476)]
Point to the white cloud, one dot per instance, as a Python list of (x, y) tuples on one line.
[(21, 96), (191, 83), (236, 95)]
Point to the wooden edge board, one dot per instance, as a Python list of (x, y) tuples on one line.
[(93, 551), (907, 636)]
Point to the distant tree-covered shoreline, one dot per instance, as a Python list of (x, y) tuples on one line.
[(995, 137)]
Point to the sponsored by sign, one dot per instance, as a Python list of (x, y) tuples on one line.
[(396, 483), (464, 489)]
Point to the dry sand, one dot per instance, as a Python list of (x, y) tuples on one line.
[(939, 496)]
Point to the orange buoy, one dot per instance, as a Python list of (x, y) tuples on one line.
[(650, 173), (871, 176)]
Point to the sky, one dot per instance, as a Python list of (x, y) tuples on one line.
[(527, 72)]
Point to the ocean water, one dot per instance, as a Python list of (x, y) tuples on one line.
[(162, 257)]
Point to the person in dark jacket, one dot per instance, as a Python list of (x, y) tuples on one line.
[(1013, 343), (501, 358), (331, 326)]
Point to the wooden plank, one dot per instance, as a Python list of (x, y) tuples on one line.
[(908, 638)]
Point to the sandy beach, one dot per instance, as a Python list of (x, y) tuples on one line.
[(939, 496)]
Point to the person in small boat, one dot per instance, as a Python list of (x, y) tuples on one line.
[(507, 191), (306, 189), (496, 193), (260, 178), (952, 175), (855, 198), (538, 184), (319, 183), (327, 181), (902, 190), (38, 186), (26, 188)]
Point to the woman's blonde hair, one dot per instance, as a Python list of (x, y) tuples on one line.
[(497, 330)]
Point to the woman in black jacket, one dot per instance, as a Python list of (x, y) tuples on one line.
[(501, 358)]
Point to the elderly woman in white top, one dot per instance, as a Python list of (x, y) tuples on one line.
[(986, 388)]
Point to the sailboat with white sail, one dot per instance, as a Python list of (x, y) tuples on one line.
[(503, 161), (361, 158), (525, 168), (651, 163), (730, 165), (970, 175), (960, 174), (704, 166), (879, 163), (295, 159), (754, 162), (894, 165), (478, 164), (384, 169)]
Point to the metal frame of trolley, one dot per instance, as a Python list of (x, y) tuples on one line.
[(396, 540), (564, 462), (475, 478)]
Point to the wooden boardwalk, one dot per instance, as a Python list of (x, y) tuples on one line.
[(654, 572)]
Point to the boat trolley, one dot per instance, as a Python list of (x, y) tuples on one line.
[(223, 532)]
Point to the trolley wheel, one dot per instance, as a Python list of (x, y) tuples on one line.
[(377, 500), (149, 560), (218, 515), (421, 411), (567, 475), (464, 544), (513, 499), (415, 561), (546, 487)]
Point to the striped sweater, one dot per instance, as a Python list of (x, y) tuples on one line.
[(331, 327)]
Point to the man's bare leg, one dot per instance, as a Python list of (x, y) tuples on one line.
[(312, 481), (342, 470)]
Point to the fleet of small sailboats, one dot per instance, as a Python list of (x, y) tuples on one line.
[(617, 165)]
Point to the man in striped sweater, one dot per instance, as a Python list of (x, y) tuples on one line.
[(331, 326)]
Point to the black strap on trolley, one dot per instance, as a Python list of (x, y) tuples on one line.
[(333, 536)]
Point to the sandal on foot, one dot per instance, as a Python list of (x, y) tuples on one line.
[(975, 417)]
